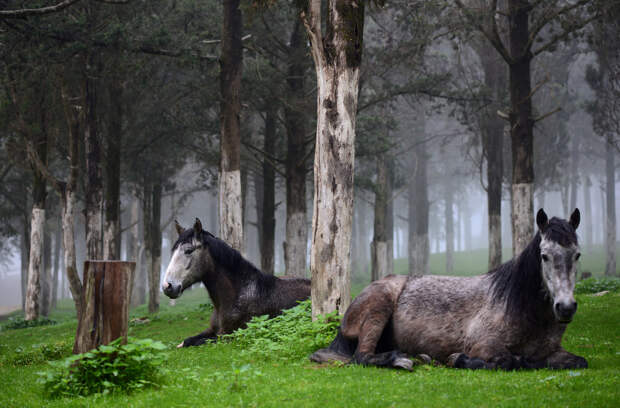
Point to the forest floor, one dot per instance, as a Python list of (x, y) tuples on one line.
[(210, 375)]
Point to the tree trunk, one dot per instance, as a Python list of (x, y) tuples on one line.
[(37, 232), (111, 235), (587, 200), (106, 297), (156, 240), (25, 255), (295, 244), (134, 253), (46, 276), (268, 219), (35, 263), (389, 220), (610, 190), (55, 283), (521, 128), (230, 200), (449, 216), (378, 246), (574, 177), (94, 185), (147, 211), (492, 133), (337, 54), (419, 249)]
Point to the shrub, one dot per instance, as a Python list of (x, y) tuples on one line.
[(20, 323), (595, 285), (38, 354), (291, 335), (111, 368)]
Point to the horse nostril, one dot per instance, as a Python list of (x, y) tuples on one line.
[(168, 285)]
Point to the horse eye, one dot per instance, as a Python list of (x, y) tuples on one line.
[(188, 251), (545, 257), (577, 256)]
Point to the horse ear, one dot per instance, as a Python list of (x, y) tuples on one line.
[(575, 218), (197, 228), (541, 219), (178, 227)]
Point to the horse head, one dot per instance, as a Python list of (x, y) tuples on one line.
[(185, 267), (559, 252)]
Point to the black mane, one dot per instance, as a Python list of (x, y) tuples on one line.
[(223, 254), (518, 283)]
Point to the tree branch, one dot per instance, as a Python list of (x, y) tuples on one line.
[(38, 11)]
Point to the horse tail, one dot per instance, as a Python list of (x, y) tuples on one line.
[(341, 349)]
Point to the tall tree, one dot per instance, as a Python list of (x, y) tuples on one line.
[(337, 53), (230, 202), (534, 27)]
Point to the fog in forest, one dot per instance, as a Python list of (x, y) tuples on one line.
[(423, 116)]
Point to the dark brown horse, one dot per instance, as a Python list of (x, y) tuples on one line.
[(238, 290), (509, 318)]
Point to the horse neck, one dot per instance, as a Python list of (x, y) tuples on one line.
[(519, 284)]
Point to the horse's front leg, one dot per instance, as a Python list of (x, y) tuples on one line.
[(490, 355), (562, 359), (201, 338)]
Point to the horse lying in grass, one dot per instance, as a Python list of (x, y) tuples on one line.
[(238, 290), (512, 317)]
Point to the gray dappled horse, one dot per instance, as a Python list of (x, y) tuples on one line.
[(509, 318), (237, 288)]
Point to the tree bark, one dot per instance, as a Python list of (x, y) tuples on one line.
[(379, 246), (156, 240), (610, 193), (55, 278), (147, 211), (522, 127), (25, 255), (106, 298), (134, 253), (94, 185), (46, 276), (574, 177), (268, 220), (389, 220), (295, 244), (449, 217), (588, 218), (111, 235), (37, 231), (35, 263), (337, 54), (230, 200), (419, 247)]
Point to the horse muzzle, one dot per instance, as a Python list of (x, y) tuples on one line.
[(565, 310), (172, 290)]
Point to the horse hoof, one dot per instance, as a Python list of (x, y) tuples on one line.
[(403, 363), (456, 360), (425, 358), (180, 345)]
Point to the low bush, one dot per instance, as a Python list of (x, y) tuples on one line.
[(595, 285), (291, 335), (108, 368), (37, 354), (21, 323)]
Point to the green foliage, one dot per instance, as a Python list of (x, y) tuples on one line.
[(36, 354), (595, 285), (108, 368), (292, 335), (21, 323)]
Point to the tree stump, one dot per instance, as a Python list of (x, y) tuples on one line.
[(106, 296)]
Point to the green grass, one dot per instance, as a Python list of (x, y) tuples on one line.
[(220, 375)]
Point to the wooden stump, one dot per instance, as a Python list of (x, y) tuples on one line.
[(106, 296)]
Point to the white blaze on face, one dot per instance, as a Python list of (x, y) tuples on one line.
[(176, 268), (559, 270)]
